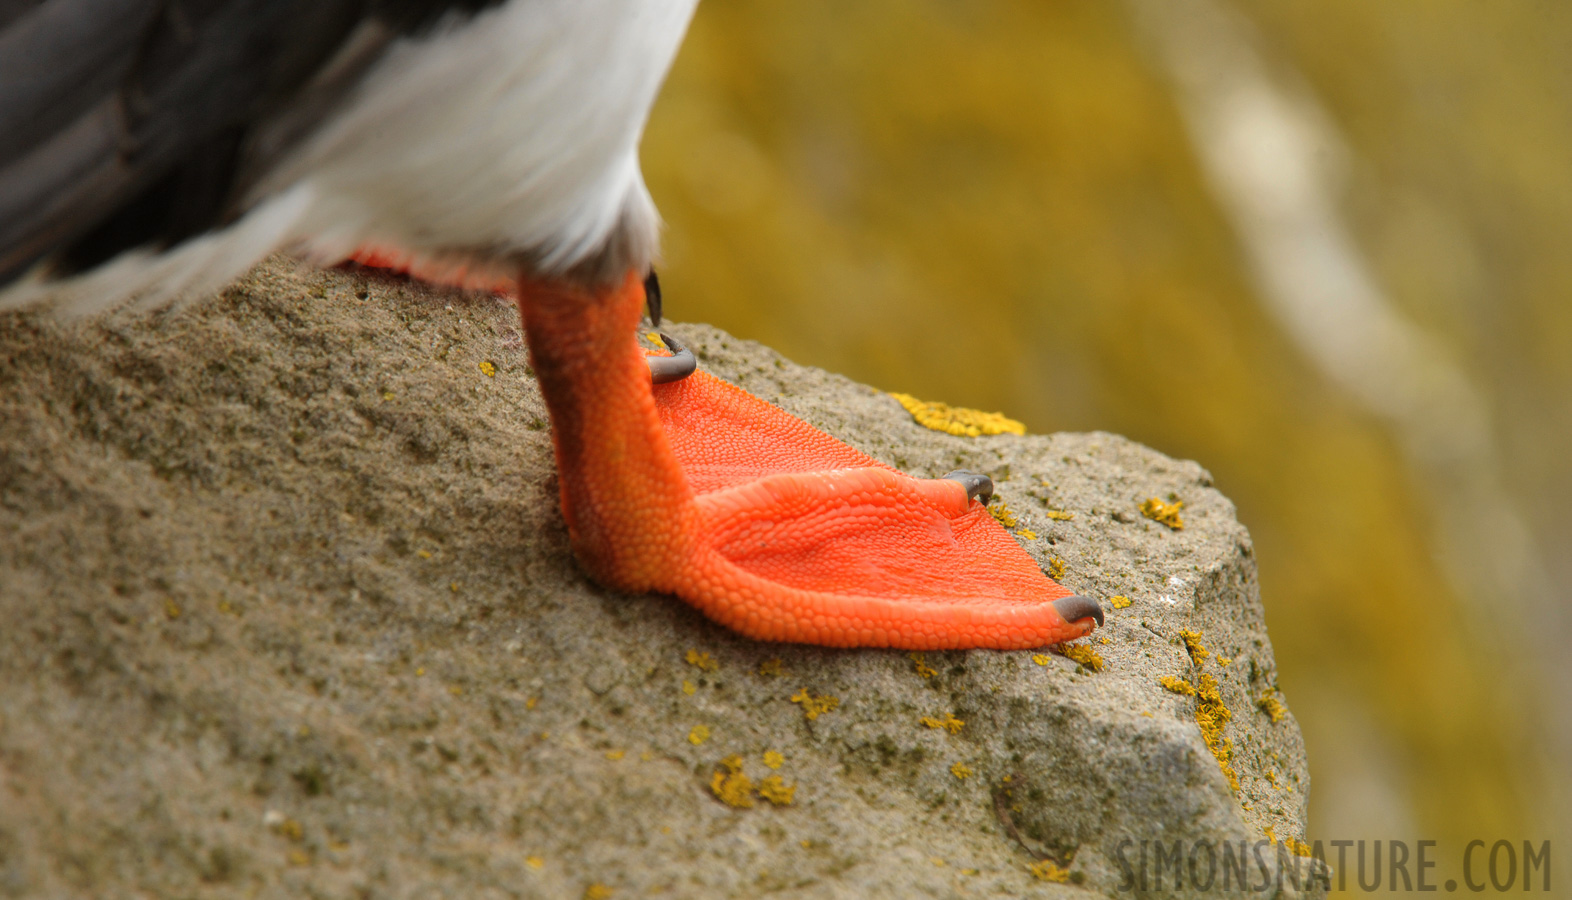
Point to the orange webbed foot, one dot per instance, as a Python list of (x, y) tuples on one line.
[(762, 522)]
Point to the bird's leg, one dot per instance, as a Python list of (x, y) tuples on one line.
[(629, 509), (764, 523)]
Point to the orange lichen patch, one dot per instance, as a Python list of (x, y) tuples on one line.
[(1271, 835), (958, 420), (949, 723), (923, 668), (961, 771), (773, 759), (699, 735), (1001, 513), (1027, 533), (1273, 707), (535, 862), (488, 368), (1164, 513), (1042, 659), (1048, 871), (1211, 715), (1271, 776), (731, 787), (1224, 660), (1119, 601), (1086, 656), (1177, 685), (777, 791), (772, 668), (597, 891), (701, 661), (813, 707), (1192, 644), (1299, 848), (1059, 515), (1055, 568), (688, 687)]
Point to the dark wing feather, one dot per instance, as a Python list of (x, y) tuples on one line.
[(125, 123)]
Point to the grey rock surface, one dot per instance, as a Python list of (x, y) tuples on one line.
[(287, 609)]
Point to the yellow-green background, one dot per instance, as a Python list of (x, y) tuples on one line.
[(996, 204)]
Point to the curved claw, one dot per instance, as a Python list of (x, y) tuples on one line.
[(1075, 608), (978, 487), (666, 369), (652, 298)]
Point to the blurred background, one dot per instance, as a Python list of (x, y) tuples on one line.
[(1320, 246)]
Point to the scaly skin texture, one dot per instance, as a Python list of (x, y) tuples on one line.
[(765, 524)]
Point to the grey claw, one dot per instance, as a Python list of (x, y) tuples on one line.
[(652, 297), (978, 487), (666, 369), (1075, 608)]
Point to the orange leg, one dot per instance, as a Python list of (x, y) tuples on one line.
[(765, 524)]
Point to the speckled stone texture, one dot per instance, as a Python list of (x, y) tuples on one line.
[(287, 610)]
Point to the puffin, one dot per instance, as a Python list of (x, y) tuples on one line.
[(153, 150)]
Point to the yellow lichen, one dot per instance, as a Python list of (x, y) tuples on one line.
[(1059, 515), (922, 668), (731, 787), (1270, 834), (1084, 655), (1224, 660), (1273, 707), (1211, 715), (949, 723), (1177, 685), (423, 554), (488, 368), (1272, 777), (299, 858), (1298, 847), (1027, 533), (961, 770), (1056, 568), (531, 702), (616, 754), (813, 707), (688, 688), (1164, 513), (771, 668), (958, 420), (597, 891), (699, 735), (291, 830), (773, 759), (1119, 601), (1048, 871), (702, 661), (1002, 514), (171, 609), (1042, 659), (778, 792), (535, 862), (1192, 643)]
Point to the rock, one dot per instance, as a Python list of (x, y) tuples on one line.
[(288, 608)]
